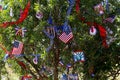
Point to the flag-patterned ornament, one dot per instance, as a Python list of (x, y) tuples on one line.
[(66, 37), (78, 56), (17, 47), (110, 19), (92, 31)]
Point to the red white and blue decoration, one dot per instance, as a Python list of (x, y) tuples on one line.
[(66, 35), (17, 47), (39, 15), (110, 19), (78, 56), (99, 8), (11, 12), (35, 60), (92, 30), (20, 31)]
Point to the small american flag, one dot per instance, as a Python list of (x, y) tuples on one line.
[(110, 19), (17, 47), (66, 37)]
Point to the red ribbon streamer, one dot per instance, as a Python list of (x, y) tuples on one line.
[(22, 64), (21, 19), (77, 6), (101, 29)]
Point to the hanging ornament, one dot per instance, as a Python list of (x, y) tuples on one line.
[(67, 35), (110, 19), (93, 31), (78, 56), (61, 62), (17, 47), (39, 15), (99, 9), (26, 77), (64, 77), (20, 31), (69, 65), (11, 12), (35, 60)]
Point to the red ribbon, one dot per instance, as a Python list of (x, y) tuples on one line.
[(26, 77), (21, 19), (101, 29), (22, 64), (77, 6)]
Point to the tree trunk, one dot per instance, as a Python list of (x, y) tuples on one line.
[(56, 61)]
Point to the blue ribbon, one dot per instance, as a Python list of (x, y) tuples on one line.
[(50, 21), (5, 57), (71, 4), (50, 35), (107, 5), (50, 47)]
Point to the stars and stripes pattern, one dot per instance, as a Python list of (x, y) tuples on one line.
[(110, 19), (66, 37), (17, 47)]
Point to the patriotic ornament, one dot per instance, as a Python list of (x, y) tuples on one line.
[(99, 9), (110, 19), (93, 31), (66, 35), (78, 56), (17, 47), (35, 60), (11, 12), (20, 31), (39, 15)]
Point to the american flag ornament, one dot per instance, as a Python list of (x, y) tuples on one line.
[(99, 9), (26, 77), (78, 56), (17, 47), (66, 35), (110, 19), (92, 30), (35, 60)]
